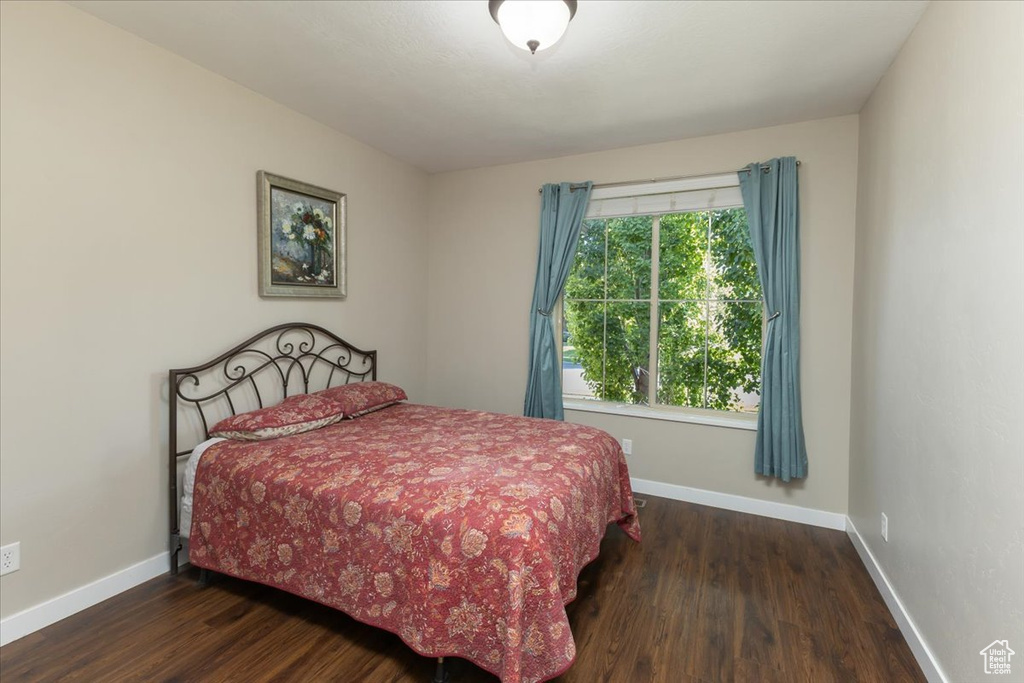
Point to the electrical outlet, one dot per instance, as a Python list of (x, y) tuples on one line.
[(10, 558), (627, 446), (885, 528)]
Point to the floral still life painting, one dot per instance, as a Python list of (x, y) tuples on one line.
[(302, 238)]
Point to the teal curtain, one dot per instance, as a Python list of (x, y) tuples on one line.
[(561, 215), (771, 199)]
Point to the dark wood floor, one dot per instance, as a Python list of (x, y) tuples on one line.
[(710, 595)]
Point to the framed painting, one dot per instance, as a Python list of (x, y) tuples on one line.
[(301, 238)]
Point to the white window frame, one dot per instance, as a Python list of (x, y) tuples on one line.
[(657, 199)]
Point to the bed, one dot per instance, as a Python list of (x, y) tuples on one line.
[(461, 531)]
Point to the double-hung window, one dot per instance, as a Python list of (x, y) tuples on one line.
[(663, 305)]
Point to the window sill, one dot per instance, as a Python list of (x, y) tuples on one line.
[(711, 418)]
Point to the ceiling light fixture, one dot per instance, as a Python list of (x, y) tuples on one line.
[(533, 24)]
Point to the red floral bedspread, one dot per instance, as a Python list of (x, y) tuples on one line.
[(463, 532)]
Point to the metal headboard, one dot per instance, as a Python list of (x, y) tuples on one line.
[(283, 360)]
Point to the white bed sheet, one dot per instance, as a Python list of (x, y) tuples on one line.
[(189, 483)]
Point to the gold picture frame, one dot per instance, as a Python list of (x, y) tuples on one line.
[(301, 242)]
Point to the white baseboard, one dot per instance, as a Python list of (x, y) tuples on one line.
[(42, 615), (754, 506), (923, 655)]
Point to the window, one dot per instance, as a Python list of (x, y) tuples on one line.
[(663, 305)]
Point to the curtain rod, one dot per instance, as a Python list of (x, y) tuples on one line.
[(764, 167)]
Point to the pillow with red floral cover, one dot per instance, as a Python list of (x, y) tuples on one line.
[(295, 415), (364, 397)]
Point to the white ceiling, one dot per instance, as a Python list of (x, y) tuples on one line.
[(434, 83)]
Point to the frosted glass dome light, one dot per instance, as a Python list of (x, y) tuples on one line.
[(533, 24)]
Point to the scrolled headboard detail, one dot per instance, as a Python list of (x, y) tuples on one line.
[(281, 361)]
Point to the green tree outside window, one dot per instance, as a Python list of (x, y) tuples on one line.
[(708, 308)]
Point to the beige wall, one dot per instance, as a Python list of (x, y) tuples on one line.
[(128, 245), (938, 373), (482, 257)]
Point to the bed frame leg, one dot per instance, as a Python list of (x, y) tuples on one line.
[(205, 576), (175, 549), (441, 674)]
